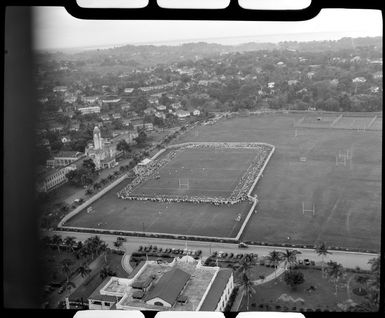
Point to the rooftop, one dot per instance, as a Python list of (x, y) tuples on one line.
[(214, 295), (169, 286), (199, 278)]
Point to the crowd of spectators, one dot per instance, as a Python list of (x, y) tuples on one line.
[(240, 192)]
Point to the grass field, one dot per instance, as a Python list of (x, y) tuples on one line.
[(175, 218), (208, 172), (347, 201), (278, 295)]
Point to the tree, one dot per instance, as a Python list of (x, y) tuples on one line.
[(362, 280), (141, 139), (89, 165), (274, 257), (105, 272), (335, 272), (70, 242), (122, 145), (118, 243), (66, 268), (57, 241), (84, 270), (321, 249), (290, 257), (247, 284), (293, 278)]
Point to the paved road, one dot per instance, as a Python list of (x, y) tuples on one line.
[(347, 259)]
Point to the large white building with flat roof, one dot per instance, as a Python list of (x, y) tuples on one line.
[(182, 285)]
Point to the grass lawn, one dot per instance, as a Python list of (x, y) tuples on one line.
[(110, 212), (209, 172), (277, 293), (347, 201)]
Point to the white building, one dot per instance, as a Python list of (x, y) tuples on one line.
[(89, 110), (182, 285), (102, 153), (182, 114)]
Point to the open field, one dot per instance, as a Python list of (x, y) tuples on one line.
[(175, 218), (208, 172), (347, 200)]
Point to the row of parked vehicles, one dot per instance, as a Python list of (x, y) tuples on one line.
[(176, 251)]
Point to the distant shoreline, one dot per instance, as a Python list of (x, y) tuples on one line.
[(231, 41)]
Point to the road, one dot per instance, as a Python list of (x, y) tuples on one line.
[(346, 259)]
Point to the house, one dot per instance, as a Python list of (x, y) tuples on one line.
[(196, 112), (359, 79), (105, 117), (182, 113), (149, 111), (128, 90), (70, 99), (59, 89), (64, 158), (89, 110), (310, 75), (161, 107), (176, 105), (66, 139), (90, 99), (116, 116), (292, 82), (270, 84), (125, 107), (56, 127), (126, 122), (377, 75), (74, 126), (160, 115)]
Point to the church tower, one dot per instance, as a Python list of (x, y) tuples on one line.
[(97, 139)]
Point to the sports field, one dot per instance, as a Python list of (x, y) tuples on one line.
[(206, 172), (112, 213), (347, 198)]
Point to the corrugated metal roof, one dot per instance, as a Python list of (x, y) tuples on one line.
[(169, 286), (216, 290)]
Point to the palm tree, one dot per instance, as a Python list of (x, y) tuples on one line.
[(57, 241), (118, 244), (246, 263), (362, 280), (68, 285), (375, 264), (70, 242), (247, 284), (84, 270), (323, 251), (274, 257), (290, 257), (66, 268), (335, 271), (106, 271)]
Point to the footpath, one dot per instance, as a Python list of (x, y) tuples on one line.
[(241, 291)]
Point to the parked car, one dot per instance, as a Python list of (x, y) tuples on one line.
[(224, 255), (122, 239), (231, 255), (306, 261), (242, 245)]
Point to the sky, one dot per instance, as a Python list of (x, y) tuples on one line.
[(54, 28)]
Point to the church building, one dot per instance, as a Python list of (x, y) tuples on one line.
[(101, 152)]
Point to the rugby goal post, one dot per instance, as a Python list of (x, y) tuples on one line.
[(312, 211), (184, 184)]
